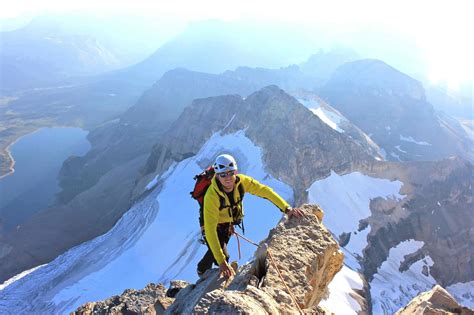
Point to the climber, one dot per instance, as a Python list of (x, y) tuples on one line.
[(222, 209)]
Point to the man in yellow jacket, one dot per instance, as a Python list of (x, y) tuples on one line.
[(223, 208)]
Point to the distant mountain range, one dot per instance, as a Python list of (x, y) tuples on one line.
[(356, 136), (33, 57)]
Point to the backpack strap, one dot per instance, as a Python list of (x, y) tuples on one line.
[(241, 192)]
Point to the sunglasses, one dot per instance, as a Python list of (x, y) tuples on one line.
[(226, 174)]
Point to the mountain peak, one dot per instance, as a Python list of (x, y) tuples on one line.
[(267, 93), (375, 73)]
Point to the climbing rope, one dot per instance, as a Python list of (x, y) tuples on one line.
[(237, 235)]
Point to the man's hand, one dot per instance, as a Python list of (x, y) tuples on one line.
[(297, 212), (226, 270)]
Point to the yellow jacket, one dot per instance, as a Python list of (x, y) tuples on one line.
[(212, 203)]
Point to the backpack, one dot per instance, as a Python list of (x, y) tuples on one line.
[(203, 181)]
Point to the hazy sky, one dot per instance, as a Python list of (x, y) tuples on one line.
[(441, 30)]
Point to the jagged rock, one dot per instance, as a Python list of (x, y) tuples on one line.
[(175, 287), (151, 300), (437, 301), (307, 257)]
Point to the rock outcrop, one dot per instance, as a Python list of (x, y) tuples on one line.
[(303, 250), (437, 301)]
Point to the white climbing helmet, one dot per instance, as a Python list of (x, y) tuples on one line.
[(225, 163)]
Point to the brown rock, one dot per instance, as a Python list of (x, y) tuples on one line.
[(306, 256), (434, 302)]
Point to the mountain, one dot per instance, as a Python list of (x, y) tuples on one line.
[(337, 121), (403, 227), (392, 109), (323, 64), (88, 101), (450, 103), (141, 126), (218, 46), (32, 57), (289, 78), (307, 76), (271, 118)]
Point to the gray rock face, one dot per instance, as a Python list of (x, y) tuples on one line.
[(392, 109), (311, 100), (301, 248), (297, 146), (437, 210)]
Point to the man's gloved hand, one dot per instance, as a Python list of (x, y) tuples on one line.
[(297, 212), (226, 270)]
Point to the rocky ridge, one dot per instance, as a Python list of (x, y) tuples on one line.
[(305, 252), (437, 301), (297, 146)]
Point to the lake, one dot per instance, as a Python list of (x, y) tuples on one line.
[(38, 158)]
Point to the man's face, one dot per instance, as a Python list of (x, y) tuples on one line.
[(227, 179)]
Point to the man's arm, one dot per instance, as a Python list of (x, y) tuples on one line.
[(211, 219), (253, 186), (256, 188)]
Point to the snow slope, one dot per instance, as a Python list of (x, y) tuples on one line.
[(331, 118), (392, 289), (340, 301), (156, 240), (463, 293), (346, 200)]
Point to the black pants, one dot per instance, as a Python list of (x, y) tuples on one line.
[(223, 233)]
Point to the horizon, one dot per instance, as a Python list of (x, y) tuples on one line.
[(407, 35)]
